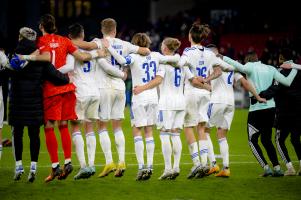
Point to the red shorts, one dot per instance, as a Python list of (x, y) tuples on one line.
[(60, 107)]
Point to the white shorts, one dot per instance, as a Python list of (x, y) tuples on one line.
[(170, 119), (1, 108), (144, 114), (196, 108), (221, 115), (112, 103), (87, 108)]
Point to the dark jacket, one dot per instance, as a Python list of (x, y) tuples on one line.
[(288, 102), (26, 92)]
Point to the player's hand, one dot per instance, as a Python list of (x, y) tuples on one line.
[(105, 43), (137, 90), (201, 79), (286, 66), (261, 100)]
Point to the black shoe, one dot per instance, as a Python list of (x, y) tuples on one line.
[(31, 176), (66, 171), (147, 174), (55, 172)]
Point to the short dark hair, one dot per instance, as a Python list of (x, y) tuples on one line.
[(47, 21), (251, 56), (287, 54), (75, 30)]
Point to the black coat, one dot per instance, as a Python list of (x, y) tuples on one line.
[(26, 92), (288, 102)]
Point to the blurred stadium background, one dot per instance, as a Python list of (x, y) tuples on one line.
[(238, 26)]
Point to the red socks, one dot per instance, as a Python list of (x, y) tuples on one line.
[(66, 141), (51, 144)]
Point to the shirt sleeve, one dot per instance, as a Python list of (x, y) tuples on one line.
[(287, 81), (237, 76), (71, 48), (183, 60), (97, 42), (238, 66), (129, 59), (69, 66), (165, 59), (110, 69), (188, 74), (161, 71), (131, 48)]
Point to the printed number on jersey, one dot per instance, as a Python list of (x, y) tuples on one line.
[(87, 66), (177, 81), (150, 71)]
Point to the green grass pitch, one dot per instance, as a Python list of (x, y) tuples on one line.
[(244, 182)]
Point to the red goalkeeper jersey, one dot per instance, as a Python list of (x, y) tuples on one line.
[(59, 47)]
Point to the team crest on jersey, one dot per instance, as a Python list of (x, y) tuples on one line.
[(54, 45)]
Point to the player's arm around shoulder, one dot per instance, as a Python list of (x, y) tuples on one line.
[(50, 73)]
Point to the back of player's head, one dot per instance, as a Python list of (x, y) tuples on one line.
[(141, 40), (75, 31), (251, 56), (198, 32), (286, 54), (108, 26), (47, 22), (172, 43)]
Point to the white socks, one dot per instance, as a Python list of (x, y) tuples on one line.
[(194, 153), (0, 151), (166, 149), (91, 147), (203, 146), (79, 148), (211, 155), (105, 144), (139, 150), (120, 144), (224, 150), (150, 148), (33, 166), (18, 163), (177, 150)]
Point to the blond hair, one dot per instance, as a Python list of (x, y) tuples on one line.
[(141, 40), (172, 43), (108, 25)]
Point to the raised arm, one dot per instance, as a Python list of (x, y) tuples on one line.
[(237, 66), (110, 69), (287, 81), (69, 66)]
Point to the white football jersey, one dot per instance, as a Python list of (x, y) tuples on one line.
[(172, 87), (143, 70), (84, 78), (124, 48), (200, 61), (222, 88)]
